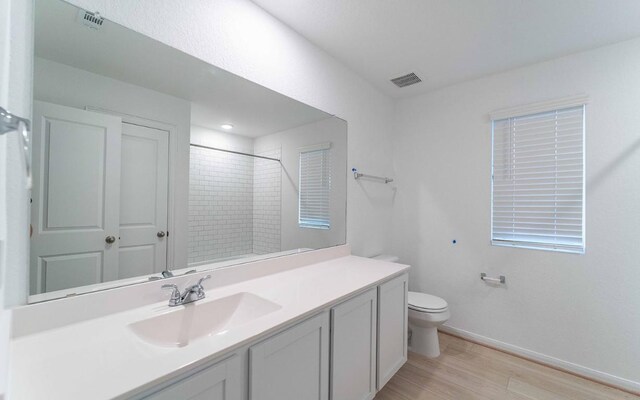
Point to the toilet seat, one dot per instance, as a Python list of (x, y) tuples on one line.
[(427, 303)]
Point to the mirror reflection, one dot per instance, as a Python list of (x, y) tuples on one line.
[(149, 162)]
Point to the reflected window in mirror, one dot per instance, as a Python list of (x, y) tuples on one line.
[(315, 187)]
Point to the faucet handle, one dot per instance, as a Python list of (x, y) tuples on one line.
[(175, 294), (199, 289), (204, 278), (167, 274)]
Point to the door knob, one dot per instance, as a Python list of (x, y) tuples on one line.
[(110, 239), (161, 234)]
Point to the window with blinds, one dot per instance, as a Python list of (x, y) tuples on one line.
[(538, 180), (315, 187)]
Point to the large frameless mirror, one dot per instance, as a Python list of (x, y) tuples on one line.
[(148, 162)]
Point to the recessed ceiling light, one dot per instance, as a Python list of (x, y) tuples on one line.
[(226, 126)]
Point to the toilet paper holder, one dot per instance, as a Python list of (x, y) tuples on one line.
[(501, 280)]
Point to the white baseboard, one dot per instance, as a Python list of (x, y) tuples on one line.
[(595, 375)]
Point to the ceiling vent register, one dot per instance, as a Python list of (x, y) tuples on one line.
[(89, 19), (406, 80)]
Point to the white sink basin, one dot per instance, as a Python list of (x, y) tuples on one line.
[(184, 324)]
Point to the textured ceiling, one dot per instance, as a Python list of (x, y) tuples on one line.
[(450, 41)]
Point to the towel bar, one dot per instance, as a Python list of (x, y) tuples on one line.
[(502, 280)]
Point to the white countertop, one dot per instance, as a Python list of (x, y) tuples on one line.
[(103, 359)]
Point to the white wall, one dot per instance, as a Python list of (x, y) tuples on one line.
[(240, 37), (579, 309), (61, 84)]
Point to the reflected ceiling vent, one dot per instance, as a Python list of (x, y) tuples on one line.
[(90, 20), (406, 80)]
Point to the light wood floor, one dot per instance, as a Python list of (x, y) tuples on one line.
[(466, 370)]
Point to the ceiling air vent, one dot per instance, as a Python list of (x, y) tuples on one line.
[(406, 80), (89, 19)]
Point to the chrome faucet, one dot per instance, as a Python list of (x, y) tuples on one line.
[(190, 294)]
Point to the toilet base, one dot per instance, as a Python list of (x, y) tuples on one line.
[(425, 341)]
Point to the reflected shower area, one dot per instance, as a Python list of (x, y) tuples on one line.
[(269, 193), (234, 203)]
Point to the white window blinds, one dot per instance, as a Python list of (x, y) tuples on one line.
[(315, 187), (538, 180)]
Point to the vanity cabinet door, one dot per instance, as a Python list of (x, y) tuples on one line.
[(353, 348), (293, 364), (221, 381), (392, 328)]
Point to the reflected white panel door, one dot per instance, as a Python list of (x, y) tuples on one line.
[(75, 198), (143, 206)]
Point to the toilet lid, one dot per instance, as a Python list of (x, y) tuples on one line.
[(426, 302)]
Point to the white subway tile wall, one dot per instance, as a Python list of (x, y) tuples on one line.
[(267, 203), (234, 205), (220, 205)]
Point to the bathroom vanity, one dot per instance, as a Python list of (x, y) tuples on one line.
[(299, 329)]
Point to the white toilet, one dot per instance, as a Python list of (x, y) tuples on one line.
[(426, 313)]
